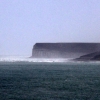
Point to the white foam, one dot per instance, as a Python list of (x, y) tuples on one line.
[(27, 59)]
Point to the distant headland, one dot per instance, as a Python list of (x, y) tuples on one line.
[(77, 51)]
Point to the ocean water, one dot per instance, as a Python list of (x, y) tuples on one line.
[(48, 79)]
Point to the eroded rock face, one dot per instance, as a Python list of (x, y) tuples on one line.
[(63, 50)]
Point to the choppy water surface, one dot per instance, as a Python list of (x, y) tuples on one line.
[(49, 81)]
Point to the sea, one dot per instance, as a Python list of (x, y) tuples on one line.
[(23, 78)]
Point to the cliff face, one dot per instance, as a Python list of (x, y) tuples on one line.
[(63, 50)]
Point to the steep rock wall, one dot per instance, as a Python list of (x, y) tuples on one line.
[(63, 50)]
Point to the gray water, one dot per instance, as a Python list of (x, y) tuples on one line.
[(49, 81)]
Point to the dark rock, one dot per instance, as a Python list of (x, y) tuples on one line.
[(63, 50), (90, 57), (96, 57)]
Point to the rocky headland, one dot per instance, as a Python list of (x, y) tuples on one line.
[(66, 50)]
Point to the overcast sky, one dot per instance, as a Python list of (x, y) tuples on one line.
[(25, 22)]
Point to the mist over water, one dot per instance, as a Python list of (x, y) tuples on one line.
[(28, 59)]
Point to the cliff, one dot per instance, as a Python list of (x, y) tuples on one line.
[(63, 50)]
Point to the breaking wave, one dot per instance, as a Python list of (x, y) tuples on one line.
[(27, 59), (51, 60)]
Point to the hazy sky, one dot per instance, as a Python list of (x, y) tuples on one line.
[(25, 22)]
